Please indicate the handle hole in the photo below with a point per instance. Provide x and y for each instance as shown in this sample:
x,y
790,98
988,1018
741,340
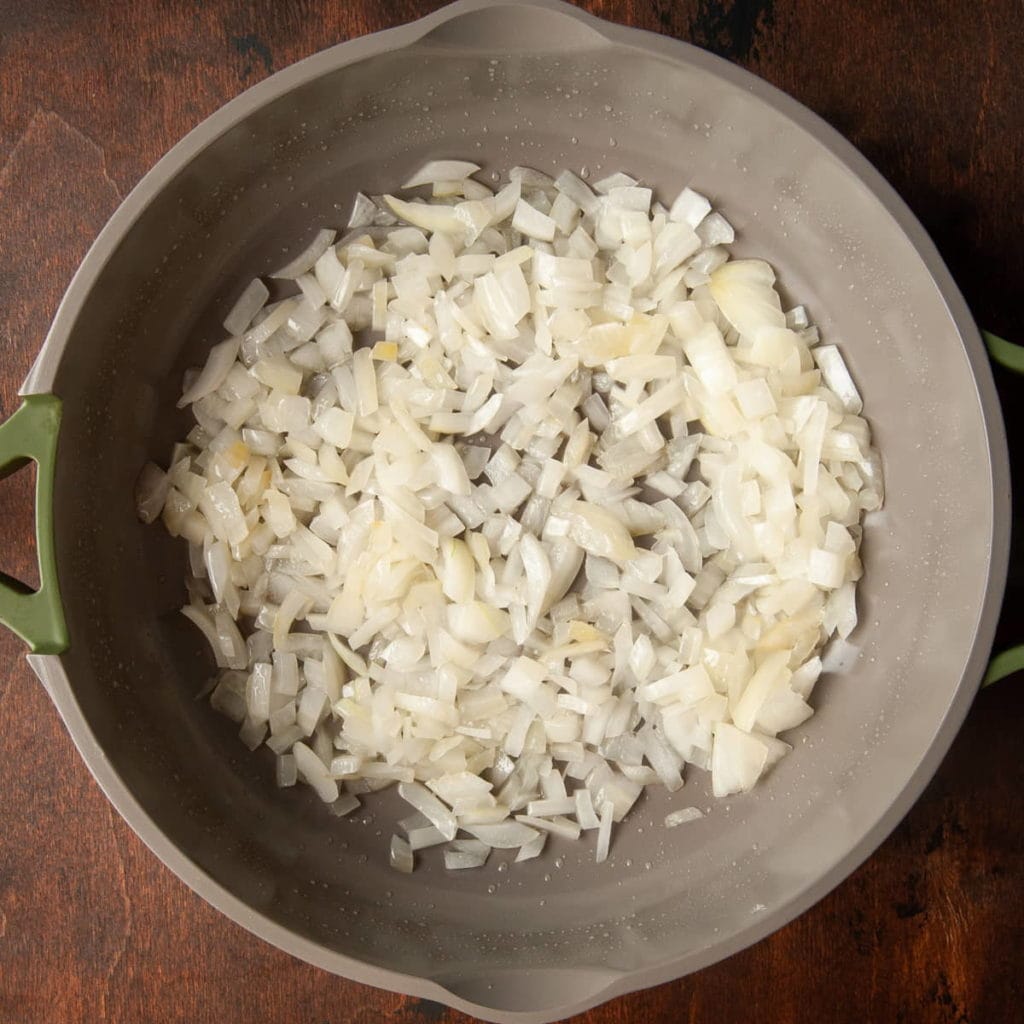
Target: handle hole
x,y
18,555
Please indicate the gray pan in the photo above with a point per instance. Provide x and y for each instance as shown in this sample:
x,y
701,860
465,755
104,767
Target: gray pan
x,y
542,84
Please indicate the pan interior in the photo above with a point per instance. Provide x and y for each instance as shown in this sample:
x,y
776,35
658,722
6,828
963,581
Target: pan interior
x,y
256,194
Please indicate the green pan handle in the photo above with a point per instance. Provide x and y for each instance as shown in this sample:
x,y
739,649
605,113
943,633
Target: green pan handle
x,y
1010,356
35,615
1004,352
1002,665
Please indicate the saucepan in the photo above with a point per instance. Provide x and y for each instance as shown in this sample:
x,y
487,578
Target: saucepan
x,y
542,84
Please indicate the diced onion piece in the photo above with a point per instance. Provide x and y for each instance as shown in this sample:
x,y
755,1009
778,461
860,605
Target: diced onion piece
x,y
248,304
441,170
506,835
444,219
600,532
533,223
218,363
466,853
532,847
430,807
305,260
401,855
837,377
315,773
604,832
745,293
151,490
689,207
682,816
737,760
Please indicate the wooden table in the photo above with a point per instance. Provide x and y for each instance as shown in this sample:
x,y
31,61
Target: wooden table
x,y
92,927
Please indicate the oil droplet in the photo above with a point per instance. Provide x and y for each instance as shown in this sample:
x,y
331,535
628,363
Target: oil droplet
x,y
491,888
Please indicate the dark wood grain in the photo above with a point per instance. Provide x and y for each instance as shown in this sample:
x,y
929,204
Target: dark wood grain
x,y
92,927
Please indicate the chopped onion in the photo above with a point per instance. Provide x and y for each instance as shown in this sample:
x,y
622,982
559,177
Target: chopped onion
x,y
737,760
364,211
151,491
532,847
682,816
401,855
837,377
305,260
249,303
441,170
532,223
430,807
314,772
213,374
604,832
443,219
689,208
576,520
466,853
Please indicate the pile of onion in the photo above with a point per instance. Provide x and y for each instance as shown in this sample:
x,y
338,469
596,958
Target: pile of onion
x,y
522,501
